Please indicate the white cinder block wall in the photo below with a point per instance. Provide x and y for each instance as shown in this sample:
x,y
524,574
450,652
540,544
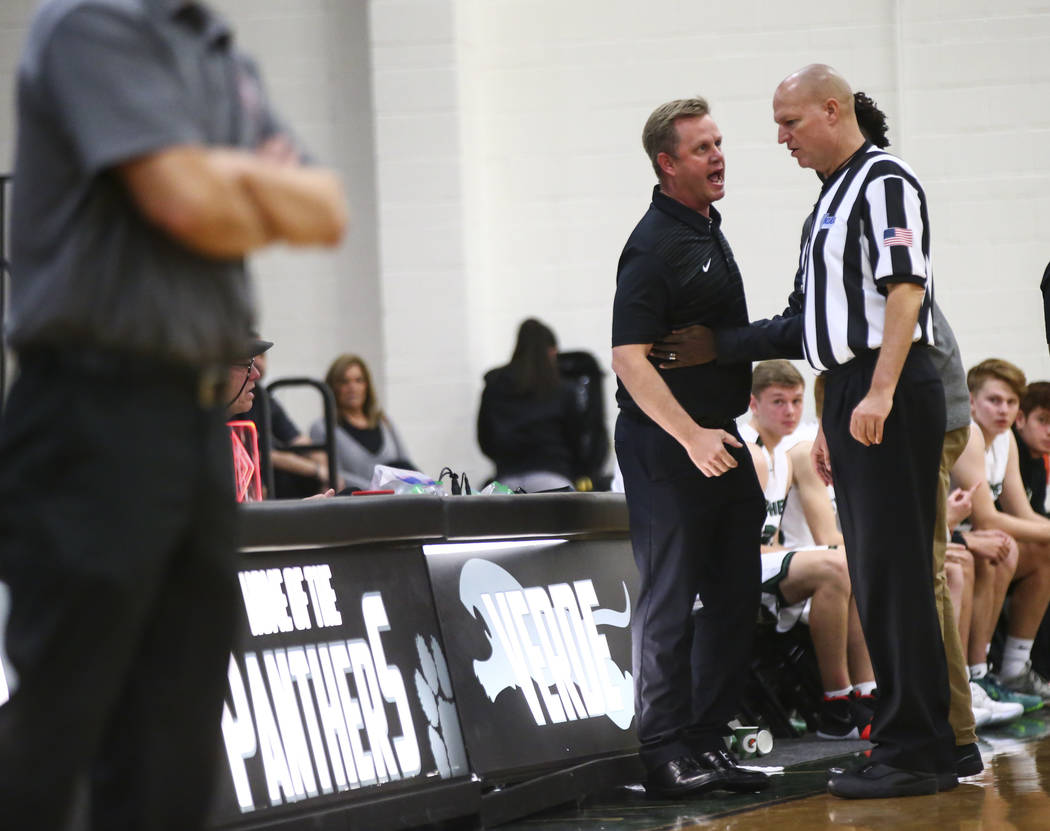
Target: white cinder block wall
x,y
492,153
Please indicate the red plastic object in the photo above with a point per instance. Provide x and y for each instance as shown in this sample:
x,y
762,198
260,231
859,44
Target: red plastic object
x,y
246,472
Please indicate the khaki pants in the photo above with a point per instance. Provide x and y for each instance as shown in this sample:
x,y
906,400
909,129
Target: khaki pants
x,y
960,713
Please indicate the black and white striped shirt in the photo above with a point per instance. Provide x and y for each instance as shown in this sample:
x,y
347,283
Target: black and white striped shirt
x,y
870,228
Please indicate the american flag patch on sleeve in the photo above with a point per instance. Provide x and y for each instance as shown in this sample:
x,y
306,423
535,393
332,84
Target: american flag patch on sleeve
x,y
896,236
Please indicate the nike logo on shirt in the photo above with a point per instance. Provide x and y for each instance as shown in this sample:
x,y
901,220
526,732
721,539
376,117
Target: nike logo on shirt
x,y
707,265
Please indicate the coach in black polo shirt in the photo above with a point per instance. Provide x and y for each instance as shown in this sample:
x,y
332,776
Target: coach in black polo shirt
x,y
867,297
694,502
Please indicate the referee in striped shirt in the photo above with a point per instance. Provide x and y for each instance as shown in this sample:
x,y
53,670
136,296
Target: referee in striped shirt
x,y
868,289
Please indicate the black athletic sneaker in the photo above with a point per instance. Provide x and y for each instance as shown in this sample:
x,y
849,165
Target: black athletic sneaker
x,y
863,711
836,719
878,781
968,761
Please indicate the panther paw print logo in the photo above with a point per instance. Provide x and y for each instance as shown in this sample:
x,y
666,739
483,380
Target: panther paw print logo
x,y
434,688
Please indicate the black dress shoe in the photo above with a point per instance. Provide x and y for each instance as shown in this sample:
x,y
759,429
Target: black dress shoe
x,y
682,777
736,778
878,781
968,760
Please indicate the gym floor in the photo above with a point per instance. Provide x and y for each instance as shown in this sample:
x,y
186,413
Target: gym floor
x,y
1013,792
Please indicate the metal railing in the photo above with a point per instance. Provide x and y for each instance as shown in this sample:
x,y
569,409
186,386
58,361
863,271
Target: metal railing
x,y
266,439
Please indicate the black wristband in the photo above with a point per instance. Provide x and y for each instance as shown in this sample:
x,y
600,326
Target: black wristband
x,y
958,537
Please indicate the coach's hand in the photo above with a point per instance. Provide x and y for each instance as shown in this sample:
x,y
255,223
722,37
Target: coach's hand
x,y
708,451
869,417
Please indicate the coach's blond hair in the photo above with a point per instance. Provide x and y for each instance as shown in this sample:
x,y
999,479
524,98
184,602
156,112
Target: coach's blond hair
x,y
660,134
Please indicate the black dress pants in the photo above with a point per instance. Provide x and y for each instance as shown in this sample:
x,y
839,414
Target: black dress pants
x,y
887,495
116,542
691,535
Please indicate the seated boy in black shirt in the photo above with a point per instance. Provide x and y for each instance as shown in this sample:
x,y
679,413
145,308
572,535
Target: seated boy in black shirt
x,y
1032,431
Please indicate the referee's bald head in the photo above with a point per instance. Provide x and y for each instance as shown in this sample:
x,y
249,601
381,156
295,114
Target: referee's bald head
x,y
816,119
819,82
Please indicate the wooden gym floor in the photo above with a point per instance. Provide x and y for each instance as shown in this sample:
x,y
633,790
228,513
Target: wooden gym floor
x,y
1013,792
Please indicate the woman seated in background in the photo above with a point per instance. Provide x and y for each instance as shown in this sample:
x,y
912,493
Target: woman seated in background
x,y
364,436
527,423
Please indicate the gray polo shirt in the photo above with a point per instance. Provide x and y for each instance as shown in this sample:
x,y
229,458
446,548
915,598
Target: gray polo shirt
x,y
102,82
946,358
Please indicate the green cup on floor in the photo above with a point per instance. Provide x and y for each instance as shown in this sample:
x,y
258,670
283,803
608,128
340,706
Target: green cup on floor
x,y
746,737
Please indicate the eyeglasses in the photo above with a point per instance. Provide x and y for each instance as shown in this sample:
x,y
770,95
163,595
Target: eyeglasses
x,y
248,366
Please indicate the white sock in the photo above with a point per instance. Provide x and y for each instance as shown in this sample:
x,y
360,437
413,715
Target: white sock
x,y
978,671
865,687
836,693
1016,653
